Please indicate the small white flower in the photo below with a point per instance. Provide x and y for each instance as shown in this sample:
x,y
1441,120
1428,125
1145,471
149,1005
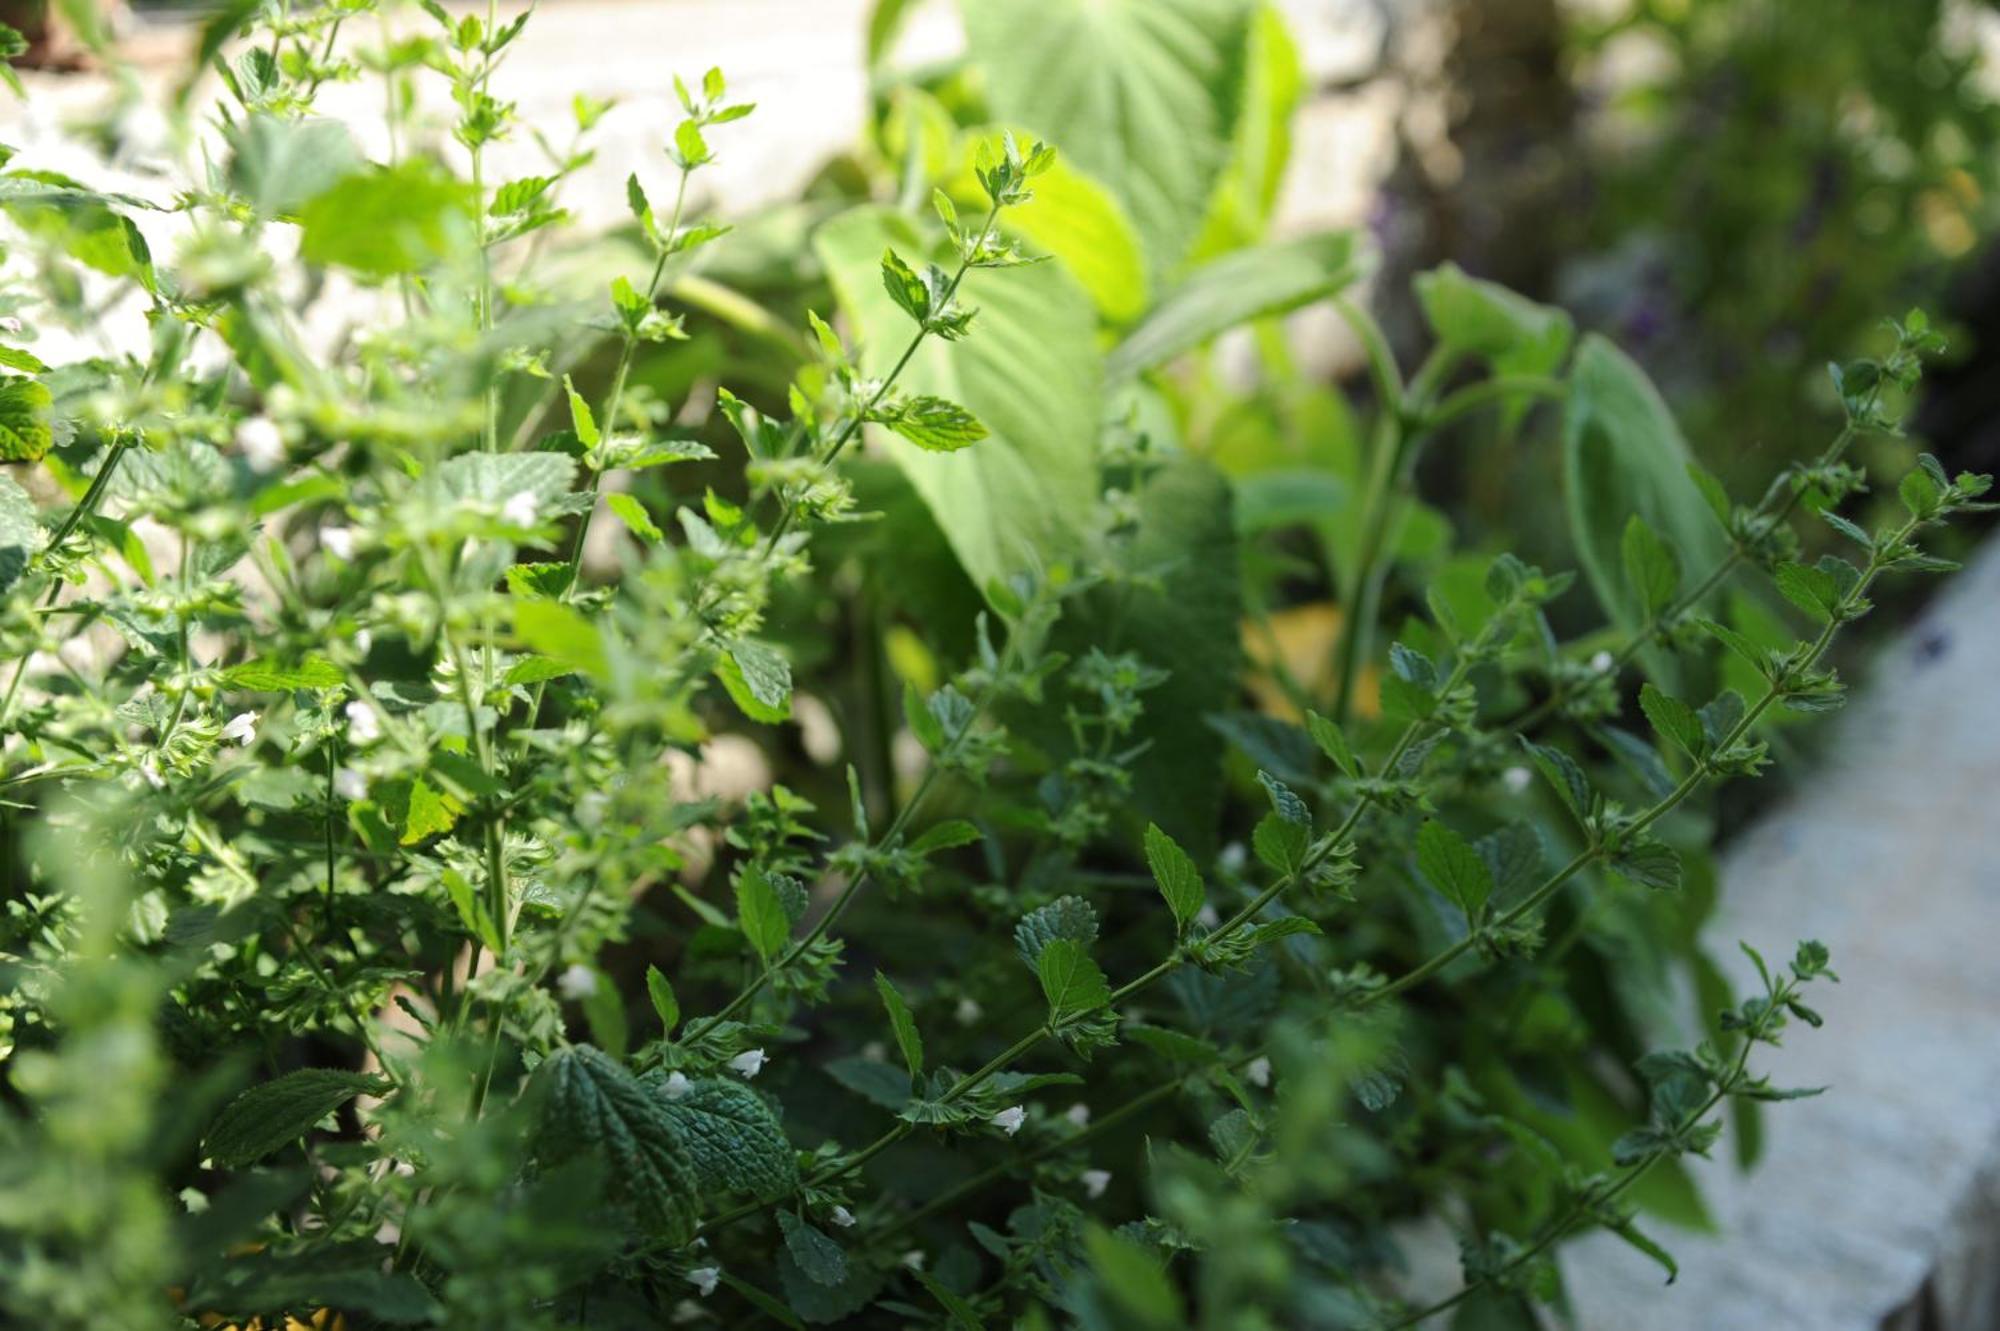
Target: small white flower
x,y
349,784
1095,1181
364,641
257,438
676,1085
577,983
1207,917
842,1217
338,541
151,771
1010,1119
750,1062
969,1012
705,1279
686,1311
1259,1071
1517,779
364,726
1079,1114
521,509
241,727
1233,856
875,1051
914,1259
1602,662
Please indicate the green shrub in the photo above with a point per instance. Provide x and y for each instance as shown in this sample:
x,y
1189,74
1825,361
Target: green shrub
x,y
405,919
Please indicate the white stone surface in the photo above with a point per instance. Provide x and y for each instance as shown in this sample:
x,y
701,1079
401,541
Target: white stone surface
x,y
1891,856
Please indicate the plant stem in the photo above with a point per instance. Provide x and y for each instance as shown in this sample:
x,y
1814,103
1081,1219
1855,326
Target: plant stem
x,y
860,418
614,400
887,841
1589,1198
84,507
1738,552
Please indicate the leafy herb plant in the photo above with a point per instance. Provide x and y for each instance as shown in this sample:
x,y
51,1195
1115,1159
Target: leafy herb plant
x,y
408,924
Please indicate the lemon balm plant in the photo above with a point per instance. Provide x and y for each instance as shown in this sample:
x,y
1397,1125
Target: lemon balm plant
x,y
386,944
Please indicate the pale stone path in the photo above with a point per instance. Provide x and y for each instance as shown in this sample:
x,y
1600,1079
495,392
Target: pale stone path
x,y
1891,856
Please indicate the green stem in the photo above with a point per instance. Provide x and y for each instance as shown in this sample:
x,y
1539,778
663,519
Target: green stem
x,y
1591,1199
1739,551
1696,776
614,400
84,507
887,841
860,418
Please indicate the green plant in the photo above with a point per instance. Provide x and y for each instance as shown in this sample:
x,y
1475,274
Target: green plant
x,y
393,938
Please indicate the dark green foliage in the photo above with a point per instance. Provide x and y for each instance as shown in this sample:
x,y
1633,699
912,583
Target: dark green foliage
x,y
1264,862
592,1105
271,1116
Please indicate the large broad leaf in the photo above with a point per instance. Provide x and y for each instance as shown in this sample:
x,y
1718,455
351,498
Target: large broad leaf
x,y
1273,85
594,1105
1142,94
270,1116
381,223
731,1138
1029,371
278,163
62,212
1087,229
1249,284
1179,608
1623,455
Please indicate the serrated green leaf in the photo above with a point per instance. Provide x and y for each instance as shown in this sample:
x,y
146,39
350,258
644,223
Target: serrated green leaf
x,y
632,513
819,1258
267,674
902,1024
1071,981
935,425
1652,571
276,1113
947,835
1453,867
1280,843
494,478
1333,743
758,679
1065,917
580,419
761,914
381,223
1564,776
563,635
731,1139
1175,872
1810,589
429,813
25,435
1673,719
592,1104
1651,864
20,533
661,991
